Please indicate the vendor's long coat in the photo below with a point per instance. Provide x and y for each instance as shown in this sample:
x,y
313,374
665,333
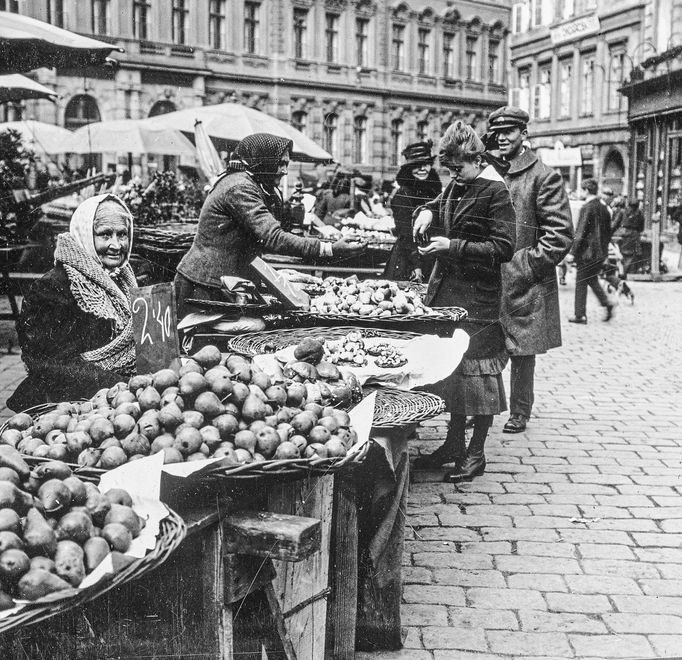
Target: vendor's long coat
x,y
544,235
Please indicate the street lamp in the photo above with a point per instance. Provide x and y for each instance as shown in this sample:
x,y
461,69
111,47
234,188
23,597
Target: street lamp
x,y
646,42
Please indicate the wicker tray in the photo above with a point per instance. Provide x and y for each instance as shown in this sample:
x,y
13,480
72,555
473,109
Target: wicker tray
x,y
395,407
439,314
255,343
171,533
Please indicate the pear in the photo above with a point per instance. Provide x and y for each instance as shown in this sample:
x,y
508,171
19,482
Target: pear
x,y
95,550
191,367
11,458
96,504
100,430
260,379
253,408
20,421
208,357
123,425
125,515
42,562
89,457
69,562
164,379
54,496
77,489
161,442
208,404
149,399
57,452
119,496
187,440
267,441
11,437
39,537
245,440
14,563
239,393
296,394
132,409
227,426
172,455
10,541
219,380
112,457
38,583
7,474
75,526
211,436
191,385
192,418
77,441
13,498
170,416
286,450
276,395
139,382
9,521
117,535
135,443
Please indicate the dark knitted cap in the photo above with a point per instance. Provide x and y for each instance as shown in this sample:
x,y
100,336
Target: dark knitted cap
x,y
261,152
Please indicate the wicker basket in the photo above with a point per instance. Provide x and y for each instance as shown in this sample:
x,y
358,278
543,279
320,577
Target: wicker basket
x,y
171,533
395,407
256,343
455,314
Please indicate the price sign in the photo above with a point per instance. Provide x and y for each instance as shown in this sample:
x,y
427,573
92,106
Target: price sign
x,y
155,327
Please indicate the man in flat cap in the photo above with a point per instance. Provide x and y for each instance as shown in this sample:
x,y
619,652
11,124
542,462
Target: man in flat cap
x,y
544,235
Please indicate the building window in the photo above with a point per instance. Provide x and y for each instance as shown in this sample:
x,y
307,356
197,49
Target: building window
x,y
179,25
493,61
448,55
566,69
216,24
10,5
360,140
542,102
587,86
300,33
100,16
422,130
565,9
80,110
537,13
55,13
361,41
398,47
615,82
423,50
471,61
161,108
332,33
397,140
141,11
330,133
299,120
524,90
520,17
251,26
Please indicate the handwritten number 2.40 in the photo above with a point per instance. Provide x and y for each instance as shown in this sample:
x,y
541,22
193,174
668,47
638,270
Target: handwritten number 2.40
x,y
163,318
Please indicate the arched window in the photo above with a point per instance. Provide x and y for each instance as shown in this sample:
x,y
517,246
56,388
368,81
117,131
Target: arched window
x,y
360,140
81,110
299,120
330,133
162,108
397,140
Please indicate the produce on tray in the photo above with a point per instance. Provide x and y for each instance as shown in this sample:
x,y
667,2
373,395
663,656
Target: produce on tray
x,y
381,298
216,406
349,349
361,221
54,528
372,236
388,357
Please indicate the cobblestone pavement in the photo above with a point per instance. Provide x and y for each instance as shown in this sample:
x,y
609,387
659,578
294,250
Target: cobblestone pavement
x,y
569,545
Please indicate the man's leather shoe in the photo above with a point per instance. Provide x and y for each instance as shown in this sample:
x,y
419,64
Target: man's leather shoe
x,y
436,460
515,424
609,313
578,319
474,466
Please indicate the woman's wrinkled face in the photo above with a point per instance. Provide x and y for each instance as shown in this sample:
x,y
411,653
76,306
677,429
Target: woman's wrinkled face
x,y
282,170
464,171
421,172
111,234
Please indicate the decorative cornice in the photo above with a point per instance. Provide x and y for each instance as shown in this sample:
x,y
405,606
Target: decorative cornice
x,y
365,8
336,5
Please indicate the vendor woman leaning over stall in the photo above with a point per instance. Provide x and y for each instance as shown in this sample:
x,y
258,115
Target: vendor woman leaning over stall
x,y
478,217
240,220
75,327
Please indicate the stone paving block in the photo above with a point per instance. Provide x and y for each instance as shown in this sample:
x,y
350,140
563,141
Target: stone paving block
x,y
403,654
469,578
548,522
518,534
489,548
553,510
611,646
470,617
569,498
452,560
518,498
667,645
482,520
437,594
466,498
603,512
660,555
628,500
658,480
656,540
438,637
670,571
517,643
479,486
468,655
581,603
605,551
601,584
546,549
668,587
626,524
671,526
427,546
651,491
508,468
622,568
666,501
416,575
499,510
527,489
413,614
542,478
513,599
604,479
561,622
413,639
649,604
456,534
537,581
673,513
645,624
583,489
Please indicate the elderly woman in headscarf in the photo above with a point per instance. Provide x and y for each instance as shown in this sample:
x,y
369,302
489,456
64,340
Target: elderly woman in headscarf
x,y
75,327
240,220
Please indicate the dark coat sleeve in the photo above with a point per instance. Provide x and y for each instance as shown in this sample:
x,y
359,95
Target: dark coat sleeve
x,y
247,205
555,227
580,230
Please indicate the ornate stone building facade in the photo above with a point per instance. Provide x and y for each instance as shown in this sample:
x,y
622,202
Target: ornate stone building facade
x,y
361,77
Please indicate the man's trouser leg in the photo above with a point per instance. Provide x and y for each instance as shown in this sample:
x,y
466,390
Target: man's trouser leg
x,y
522,382
581,276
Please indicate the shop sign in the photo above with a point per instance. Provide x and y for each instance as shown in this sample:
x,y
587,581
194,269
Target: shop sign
x,y
574,30
562,157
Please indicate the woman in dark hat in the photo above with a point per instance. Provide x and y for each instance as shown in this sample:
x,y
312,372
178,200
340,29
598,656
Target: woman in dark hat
x,y
419,183
240,219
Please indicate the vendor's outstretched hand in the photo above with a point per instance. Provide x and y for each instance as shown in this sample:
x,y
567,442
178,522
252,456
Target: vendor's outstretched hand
x,y
421,224
348,247
438,245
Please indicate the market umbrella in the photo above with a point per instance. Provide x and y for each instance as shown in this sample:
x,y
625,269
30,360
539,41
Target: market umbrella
x,y
207,155
232,122
15,87
26,43
41,137
131,136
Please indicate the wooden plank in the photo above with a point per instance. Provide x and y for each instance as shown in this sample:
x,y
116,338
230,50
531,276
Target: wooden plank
x,y
244,575
344,569
217,619
272,535
278,619
306,580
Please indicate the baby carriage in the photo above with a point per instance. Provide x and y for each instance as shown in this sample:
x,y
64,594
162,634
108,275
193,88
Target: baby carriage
x,y
613,272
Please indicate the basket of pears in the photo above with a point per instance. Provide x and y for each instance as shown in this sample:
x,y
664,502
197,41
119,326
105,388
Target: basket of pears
x,y
214,407
64,542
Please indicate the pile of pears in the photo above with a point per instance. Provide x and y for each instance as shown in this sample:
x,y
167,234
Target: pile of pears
x,y
55,528
213,406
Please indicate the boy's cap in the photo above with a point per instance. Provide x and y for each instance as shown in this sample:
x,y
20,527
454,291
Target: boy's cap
x,y
508,117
